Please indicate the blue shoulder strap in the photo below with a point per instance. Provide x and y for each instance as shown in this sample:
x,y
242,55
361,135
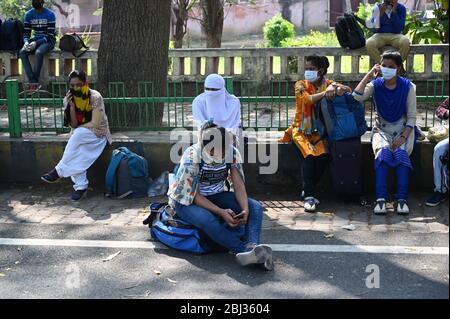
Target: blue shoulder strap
x,y
125,151
351,102
110,179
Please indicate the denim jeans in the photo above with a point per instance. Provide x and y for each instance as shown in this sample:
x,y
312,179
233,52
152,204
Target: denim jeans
x,y
440,150
233,239
40,52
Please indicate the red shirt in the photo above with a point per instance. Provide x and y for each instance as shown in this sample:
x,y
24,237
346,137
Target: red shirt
x,y
442,111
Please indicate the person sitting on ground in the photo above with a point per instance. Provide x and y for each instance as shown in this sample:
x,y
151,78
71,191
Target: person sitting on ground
x,y
393,133
230,219
390,22
217,105
85,114
304,130
41,21
441,149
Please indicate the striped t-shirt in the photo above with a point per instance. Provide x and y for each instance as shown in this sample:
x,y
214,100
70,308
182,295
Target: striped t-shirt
x,y
212,178
42,24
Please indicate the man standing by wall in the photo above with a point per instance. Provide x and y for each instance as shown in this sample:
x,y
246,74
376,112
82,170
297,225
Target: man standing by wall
x,y
39,39
391,17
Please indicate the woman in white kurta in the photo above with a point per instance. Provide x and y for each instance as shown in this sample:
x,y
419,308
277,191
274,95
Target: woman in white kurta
x,y
393,133
85,114
217,105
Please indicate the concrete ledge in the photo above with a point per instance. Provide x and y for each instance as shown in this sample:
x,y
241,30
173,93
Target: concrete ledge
x,y
25,160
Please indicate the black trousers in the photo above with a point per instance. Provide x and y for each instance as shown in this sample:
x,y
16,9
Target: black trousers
x,y
313,168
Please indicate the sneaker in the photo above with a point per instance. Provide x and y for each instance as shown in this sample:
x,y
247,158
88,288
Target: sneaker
x,y
402,207
78,195
268,265
436,199
260,254
51,177
310,204
380,207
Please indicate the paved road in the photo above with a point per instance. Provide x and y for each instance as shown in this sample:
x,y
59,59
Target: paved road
x,y
63,269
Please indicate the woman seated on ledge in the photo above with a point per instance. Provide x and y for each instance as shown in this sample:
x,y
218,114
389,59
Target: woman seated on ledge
x,y
304,129
230,219
393,133
85,114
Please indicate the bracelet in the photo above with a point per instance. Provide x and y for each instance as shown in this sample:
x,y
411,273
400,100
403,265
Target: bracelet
x,y
404,137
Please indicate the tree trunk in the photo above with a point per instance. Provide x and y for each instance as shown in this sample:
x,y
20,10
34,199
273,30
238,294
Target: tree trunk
x,y
181,16
212,21
134,48
179,34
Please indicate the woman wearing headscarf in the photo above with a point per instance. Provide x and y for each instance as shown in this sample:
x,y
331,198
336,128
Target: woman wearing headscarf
x,y
85,114
304,131
393,133
217,105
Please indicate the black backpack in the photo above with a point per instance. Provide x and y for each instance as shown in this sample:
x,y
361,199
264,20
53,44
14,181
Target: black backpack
x,y
72,43
349,33
11,35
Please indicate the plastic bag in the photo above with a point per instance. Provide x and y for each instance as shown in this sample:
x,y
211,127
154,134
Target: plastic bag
x,y
438,132
160,186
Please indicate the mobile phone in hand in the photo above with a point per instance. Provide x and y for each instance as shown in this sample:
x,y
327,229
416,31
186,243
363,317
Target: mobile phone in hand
x,y
239,216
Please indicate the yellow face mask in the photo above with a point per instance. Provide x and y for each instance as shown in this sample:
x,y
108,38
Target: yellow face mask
x,y
81,98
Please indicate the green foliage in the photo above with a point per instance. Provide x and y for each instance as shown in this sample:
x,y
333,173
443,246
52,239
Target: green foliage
x,y
276,30
17,8
98,12
418,29
431,31
313,39
365,12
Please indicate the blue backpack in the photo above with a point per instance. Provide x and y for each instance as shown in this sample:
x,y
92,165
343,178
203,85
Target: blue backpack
x,y
127,175
175,233
344,118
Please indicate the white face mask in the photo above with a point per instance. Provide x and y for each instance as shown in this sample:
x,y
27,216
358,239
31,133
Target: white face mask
x,y
388,73
311,76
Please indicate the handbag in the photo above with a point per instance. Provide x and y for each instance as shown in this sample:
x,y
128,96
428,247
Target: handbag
x,y
438,132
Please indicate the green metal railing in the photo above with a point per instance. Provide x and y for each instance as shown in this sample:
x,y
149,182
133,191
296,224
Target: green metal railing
x,y
261,107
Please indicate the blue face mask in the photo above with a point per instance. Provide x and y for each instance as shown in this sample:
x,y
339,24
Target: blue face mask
x,y
388,73
311,76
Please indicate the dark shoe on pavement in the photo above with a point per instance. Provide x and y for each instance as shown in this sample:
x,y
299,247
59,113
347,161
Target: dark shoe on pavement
x,y
436,199
51,177
78,195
